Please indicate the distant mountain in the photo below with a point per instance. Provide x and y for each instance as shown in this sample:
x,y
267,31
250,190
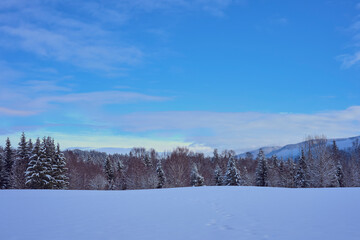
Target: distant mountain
x,y
290,150
293,150
107,150
267,150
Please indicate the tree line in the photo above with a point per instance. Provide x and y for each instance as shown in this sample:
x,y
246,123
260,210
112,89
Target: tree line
x,y
34,166
44,166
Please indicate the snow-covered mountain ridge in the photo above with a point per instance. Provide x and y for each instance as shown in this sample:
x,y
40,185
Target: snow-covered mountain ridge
x,y
293,150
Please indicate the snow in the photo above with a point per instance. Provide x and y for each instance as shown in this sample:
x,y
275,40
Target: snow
x,y
181,213
294,150
266,150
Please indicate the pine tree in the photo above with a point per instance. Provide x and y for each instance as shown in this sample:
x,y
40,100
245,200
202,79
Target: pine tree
x,y
335,155
1,169
245,177
160,175
218,176
31,175
291,171
21,162
261,170
282,172
38,173
109,172
50,149
301,178
232,175
30,147
340,175
195,177
8,161
61,181
121,178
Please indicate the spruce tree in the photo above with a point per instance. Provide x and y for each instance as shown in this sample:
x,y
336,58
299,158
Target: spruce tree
x,y
50,149
121,178
31,174
261,170
61,181
195,177
301,178
245,177
218,179
340,175
21,162
8,165
232,175
291,172
335,153
38,173
282,172
30,147
160,175
1,169
109,173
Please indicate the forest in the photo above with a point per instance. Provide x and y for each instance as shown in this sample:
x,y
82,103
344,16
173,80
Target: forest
x,y
42,165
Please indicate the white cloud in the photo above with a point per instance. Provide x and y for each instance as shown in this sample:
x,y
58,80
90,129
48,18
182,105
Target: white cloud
x,y
45,86
101,98
15,112
105,140
349,60
213,7
200,131
244,131
88,35
68,48
48,94
353,58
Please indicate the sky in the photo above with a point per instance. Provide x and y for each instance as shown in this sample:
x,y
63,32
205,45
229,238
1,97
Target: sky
x,y
205,74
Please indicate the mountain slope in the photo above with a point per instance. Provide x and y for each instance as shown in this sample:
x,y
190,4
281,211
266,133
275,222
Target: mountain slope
x,y
293,150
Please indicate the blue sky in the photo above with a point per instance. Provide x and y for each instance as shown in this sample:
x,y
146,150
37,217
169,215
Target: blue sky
x,y
202,73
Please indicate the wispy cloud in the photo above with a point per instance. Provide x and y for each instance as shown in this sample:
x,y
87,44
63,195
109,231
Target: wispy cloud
x,y
203,131
14,112
47,94
80,52
213,7
39,28
101,98
244,131
45,86
349,60
352,58
97,43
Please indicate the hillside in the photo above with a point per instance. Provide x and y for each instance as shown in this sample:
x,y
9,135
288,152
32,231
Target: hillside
x,y
181,213
293,150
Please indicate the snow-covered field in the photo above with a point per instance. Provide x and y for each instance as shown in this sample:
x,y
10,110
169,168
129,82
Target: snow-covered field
x,y
201,213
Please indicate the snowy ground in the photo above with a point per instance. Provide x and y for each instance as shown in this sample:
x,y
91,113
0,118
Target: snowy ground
x,y
201,213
